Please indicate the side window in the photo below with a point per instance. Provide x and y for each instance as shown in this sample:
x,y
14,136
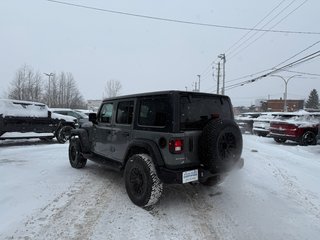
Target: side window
x,y
154,112
105,114
125,112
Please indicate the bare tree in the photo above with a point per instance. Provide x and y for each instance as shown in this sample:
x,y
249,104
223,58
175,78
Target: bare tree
x,y
64,92
60,91
112,88
27,85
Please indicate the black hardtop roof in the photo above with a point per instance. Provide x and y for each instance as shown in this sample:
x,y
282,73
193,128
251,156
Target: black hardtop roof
x,y
148,94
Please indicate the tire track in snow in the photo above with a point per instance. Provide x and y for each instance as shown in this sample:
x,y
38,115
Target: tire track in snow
x,y
206,221
296,193
302,197
74,213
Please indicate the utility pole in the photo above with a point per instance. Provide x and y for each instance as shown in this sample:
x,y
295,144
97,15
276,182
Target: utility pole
x,y
218,78
49,94
223,58
286,81
199,83
195,87
213,72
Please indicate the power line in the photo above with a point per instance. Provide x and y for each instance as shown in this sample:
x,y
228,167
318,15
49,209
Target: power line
x,y
288,59
262,34
292,64
298,53
297,62
304,73
265,17
182,21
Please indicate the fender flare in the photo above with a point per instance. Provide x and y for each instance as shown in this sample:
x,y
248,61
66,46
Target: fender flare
x,y
84,138
150,146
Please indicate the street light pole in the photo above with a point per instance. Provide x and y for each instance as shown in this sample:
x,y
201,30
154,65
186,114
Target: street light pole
x,y
223,58
218,79
49,76
286,81
199,83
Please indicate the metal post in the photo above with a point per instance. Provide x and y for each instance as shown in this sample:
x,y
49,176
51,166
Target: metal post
x,y
218,78
199,83
224,74
223,58
49,92
286,81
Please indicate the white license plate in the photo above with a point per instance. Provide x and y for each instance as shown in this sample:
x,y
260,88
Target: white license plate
x,y
190,176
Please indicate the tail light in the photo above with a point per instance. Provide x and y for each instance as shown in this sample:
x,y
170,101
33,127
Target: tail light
x,y
176,146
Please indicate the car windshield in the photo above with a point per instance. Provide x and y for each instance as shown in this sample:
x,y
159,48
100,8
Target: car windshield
x,y
197,110
82,115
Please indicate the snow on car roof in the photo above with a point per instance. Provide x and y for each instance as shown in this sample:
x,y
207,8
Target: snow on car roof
x,y
18,108
309,120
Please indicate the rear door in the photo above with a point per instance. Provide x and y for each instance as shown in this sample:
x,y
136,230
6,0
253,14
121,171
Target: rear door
x,y
122,131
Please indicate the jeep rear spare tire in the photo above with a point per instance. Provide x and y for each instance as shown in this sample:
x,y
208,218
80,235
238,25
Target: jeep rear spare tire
x,y
220,145
143,186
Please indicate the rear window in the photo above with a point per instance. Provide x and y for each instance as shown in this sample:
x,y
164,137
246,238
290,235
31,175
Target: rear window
x,y
197,110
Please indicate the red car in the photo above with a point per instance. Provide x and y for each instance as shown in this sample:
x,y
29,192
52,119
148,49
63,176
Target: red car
x,y
302,129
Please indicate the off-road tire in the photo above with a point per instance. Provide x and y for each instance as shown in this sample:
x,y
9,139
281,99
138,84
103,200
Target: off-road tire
x,y
63,133
279,140
308,138
220,145
143,186
76,158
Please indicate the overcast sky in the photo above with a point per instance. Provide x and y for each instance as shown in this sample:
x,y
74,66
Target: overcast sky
x,y
151,55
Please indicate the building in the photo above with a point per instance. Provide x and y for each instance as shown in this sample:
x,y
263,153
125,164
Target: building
x,y
277,105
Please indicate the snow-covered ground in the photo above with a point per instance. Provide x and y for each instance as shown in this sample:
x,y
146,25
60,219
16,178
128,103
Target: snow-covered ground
x,y
275,196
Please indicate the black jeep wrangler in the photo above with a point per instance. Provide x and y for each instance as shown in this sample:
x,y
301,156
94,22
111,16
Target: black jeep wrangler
x,y
161,137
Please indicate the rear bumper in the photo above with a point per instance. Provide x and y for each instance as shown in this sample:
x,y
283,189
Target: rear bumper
x,y
175,176
260,130
285,136
170,176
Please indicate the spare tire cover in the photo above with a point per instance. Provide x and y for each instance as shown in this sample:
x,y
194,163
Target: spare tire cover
x,y
220,145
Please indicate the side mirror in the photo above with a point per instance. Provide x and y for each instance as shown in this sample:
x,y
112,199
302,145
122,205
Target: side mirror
x,y
93,117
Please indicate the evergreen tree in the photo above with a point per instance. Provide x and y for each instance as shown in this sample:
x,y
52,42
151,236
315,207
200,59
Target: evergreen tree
x,y
313,101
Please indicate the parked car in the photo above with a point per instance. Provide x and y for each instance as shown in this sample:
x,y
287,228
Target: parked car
x,y
261,124
245,121
82,118
85,111
302,129
161,137
25,119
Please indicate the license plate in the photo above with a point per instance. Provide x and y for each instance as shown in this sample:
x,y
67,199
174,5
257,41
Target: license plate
x,y
190,176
